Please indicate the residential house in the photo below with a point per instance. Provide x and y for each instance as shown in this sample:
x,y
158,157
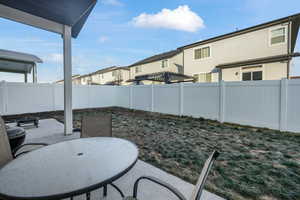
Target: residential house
x,y
74,80
171,61
261,52
110,76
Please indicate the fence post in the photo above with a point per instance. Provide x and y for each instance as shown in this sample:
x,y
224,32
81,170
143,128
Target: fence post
x,y
222,93
181,99
152,98
283,104
130,97
53,96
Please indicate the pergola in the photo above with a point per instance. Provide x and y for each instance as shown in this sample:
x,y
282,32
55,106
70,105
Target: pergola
x,y
21,63
165,77
64,17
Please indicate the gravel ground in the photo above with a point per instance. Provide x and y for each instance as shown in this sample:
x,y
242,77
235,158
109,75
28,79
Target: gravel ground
x,y
254,163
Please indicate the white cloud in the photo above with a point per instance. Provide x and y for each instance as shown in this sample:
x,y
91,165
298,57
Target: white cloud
x,y
112,2
103,39
181,18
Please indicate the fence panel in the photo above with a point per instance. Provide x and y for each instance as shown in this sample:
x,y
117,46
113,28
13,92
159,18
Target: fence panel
x,y
166,99
141,97
293,106
123,96
201,100
28,98
253,103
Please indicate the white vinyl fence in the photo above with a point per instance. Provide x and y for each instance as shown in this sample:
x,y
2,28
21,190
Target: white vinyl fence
x,y
18,98
272,104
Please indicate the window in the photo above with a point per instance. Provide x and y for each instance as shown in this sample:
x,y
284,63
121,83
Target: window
x,y
203,77
164,63
278,35
138,69
252,76
114,73
202,53
102,75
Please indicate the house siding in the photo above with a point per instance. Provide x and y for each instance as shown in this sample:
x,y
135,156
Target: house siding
x,y
250,45
175,65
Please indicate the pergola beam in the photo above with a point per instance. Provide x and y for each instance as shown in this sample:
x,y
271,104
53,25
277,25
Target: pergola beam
x,y
31,20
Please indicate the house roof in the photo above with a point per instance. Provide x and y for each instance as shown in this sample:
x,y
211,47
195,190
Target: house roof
x,y
73,77
17,62
108,69
263,60
295,28
158,57
73,13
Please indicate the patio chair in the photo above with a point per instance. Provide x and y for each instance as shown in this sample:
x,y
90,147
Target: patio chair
x,y
96,126
197,190
6,155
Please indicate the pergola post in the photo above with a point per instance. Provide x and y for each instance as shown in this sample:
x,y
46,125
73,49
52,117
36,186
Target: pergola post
x,y
68,81
34,74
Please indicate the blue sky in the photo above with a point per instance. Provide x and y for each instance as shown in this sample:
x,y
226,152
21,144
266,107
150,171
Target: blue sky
x,y
118,33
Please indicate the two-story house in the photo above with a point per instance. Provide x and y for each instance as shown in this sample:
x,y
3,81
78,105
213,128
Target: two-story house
x,y
261,52
156,66
110,76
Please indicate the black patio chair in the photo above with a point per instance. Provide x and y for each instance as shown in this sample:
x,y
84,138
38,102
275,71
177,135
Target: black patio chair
x,y
6,154
198,188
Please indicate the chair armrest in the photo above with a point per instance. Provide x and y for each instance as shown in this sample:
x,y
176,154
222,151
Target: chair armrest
x,y
27,144
159,182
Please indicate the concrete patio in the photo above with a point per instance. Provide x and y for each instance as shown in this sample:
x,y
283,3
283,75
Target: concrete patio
x,y
51,131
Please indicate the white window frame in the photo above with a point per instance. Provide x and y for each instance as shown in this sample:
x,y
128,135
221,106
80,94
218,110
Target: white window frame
x,y
162,63
138,67
262,70
205,73
285,36
201,47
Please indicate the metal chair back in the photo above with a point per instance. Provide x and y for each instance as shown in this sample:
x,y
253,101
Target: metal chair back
x,y
96,126
203,176
5,151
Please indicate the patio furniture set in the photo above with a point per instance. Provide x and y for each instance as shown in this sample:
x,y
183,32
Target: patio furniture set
x,y
76,167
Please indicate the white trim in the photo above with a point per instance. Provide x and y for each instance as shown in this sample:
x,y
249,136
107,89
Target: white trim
x,y
201,47
32,20
285,35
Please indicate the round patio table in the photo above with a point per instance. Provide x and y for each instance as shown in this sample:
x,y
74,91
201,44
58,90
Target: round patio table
x,y
67,169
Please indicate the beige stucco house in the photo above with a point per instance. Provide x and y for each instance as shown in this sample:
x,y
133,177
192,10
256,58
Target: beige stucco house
x,y
110,76
262,52
171,61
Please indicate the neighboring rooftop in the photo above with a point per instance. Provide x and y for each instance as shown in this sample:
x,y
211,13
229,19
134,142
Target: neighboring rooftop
x,y
73,77
158,57
108,69
295,28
